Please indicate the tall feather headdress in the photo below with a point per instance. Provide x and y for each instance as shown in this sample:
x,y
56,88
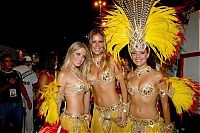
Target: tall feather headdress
x,y
139,24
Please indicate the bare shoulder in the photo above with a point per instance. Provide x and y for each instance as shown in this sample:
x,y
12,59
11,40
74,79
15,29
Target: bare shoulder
x,y
63,74
111,58
114,62
157,75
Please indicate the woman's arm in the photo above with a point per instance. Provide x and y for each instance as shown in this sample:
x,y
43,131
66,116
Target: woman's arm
x,y
61,79
87,109
43,80
120,77
163,88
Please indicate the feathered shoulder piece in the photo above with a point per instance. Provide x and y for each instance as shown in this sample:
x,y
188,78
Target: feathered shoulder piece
x,y
184,94
141,23
48,108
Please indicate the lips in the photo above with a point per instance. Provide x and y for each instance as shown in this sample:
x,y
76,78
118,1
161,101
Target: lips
x,y
138,60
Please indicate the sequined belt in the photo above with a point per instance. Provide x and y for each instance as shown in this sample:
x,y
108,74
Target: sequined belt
x,y
144,122
108,109
73,116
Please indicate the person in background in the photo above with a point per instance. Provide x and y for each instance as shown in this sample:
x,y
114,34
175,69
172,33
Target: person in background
x,y
46,75
74,89
30,79
11,89
110,107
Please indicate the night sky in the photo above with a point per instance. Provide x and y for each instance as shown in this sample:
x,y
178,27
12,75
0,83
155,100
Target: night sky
x,y
34,25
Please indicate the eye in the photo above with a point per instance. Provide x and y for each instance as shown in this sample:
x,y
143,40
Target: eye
x,y
78,54
133,52
100,41
93,42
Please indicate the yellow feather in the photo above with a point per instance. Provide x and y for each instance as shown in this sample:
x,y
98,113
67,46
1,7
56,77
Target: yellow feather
x,y
48,109
116,31
183,93
161,31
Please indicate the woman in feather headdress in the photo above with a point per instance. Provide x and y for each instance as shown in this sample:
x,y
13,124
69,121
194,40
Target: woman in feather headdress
x,y
149,30
70,86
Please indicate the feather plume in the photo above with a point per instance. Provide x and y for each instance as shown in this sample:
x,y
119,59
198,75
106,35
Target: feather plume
x,y
48,108
159,27
184,94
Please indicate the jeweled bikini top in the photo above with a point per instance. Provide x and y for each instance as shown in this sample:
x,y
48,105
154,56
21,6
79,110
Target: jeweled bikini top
x,y
80,87
104,77
146,89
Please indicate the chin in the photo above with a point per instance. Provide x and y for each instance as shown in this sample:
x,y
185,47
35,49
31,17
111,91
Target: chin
x,y
78,65
139,64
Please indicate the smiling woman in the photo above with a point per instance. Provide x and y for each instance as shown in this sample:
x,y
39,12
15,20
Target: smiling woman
x,y
75,92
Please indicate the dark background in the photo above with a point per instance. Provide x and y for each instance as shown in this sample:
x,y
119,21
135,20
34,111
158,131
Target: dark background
x,y
32,25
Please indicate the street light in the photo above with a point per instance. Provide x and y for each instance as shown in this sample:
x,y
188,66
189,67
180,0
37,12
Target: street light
x,y
100,4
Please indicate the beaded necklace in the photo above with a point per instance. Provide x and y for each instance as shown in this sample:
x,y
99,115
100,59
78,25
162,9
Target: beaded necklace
x,y
97,61
139,73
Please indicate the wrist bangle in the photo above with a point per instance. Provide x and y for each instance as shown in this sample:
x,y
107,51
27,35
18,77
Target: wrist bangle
x,y
124,107
170,127
87,116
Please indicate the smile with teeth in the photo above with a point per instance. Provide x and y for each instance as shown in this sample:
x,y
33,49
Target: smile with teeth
x,y
97,49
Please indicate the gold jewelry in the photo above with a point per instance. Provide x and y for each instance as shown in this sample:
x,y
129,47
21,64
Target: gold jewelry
x,y
124,107
119,76
169,127
87,116
97,61
143,71
75,71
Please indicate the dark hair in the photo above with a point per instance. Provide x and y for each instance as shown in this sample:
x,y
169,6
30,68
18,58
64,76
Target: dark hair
x,y
151,60
5,56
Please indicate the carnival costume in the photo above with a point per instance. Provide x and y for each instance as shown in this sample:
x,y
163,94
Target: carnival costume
x,y
66,122
105,119
140,24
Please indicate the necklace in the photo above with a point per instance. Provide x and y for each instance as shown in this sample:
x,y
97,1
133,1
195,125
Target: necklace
x,y
97,61
75,71
142,71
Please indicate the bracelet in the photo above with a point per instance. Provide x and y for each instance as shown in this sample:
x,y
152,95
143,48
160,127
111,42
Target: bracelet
x,y
124,107
119,76
87,116
170,127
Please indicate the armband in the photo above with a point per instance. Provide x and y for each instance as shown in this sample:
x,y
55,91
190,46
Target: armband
x,y
119,76
171,92
163,92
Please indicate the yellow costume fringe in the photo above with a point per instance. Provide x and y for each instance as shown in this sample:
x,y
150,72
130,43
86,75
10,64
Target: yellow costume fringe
x,y
48,108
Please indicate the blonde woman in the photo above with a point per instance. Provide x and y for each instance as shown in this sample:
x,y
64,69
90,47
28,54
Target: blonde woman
x,y
110,107
74,89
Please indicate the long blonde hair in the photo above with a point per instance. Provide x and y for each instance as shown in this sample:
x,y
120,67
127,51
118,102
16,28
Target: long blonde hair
x,y
105,58
84,68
